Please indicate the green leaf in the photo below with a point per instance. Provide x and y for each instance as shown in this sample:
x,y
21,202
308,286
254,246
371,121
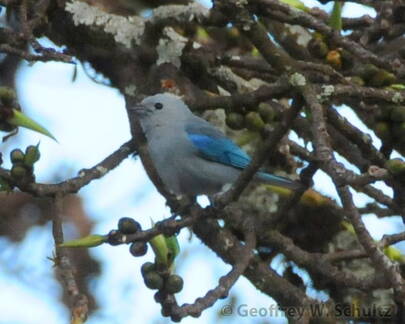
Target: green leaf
x,y
165,248
296,4
348,227
394,254
88,241
173,247
160,248
335,20
397,86
19,119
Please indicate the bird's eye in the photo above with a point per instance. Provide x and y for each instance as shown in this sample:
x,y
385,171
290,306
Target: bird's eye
x,y
158,105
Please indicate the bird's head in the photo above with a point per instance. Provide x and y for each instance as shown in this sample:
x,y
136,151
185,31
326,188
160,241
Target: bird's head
x,y
162,108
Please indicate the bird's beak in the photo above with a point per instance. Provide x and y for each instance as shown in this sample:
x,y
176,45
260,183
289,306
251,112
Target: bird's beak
x,y
139,109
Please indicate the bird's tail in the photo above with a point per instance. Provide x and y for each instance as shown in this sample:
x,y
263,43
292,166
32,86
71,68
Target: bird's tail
x,y
279,181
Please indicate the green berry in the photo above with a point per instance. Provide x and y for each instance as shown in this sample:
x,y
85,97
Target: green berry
x,y
128,225
18,172
395,166
138,249
158,297
147,267
366,71
16,156
382,78
32,155
253,121
174,284
114,238
267,113
153,280
317,47
357,80
235,121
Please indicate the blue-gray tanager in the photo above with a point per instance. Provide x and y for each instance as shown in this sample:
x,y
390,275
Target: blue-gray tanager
x,y
190,155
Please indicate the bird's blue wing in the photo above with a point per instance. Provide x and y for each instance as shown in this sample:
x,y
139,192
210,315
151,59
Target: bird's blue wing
x,y
214,146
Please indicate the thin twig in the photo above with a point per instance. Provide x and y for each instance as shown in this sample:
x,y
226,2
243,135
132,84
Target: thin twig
x,y
74,184
78,301
324,153
226,282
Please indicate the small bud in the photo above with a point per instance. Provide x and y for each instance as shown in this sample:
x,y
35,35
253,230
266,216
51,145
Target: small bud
x,y
174,284
32,155
153,280
16,156
18,172
138,249
128,225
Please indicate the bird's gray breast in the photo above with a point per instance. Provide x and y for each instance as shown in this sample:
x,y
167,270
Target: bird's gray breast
x,y
181,166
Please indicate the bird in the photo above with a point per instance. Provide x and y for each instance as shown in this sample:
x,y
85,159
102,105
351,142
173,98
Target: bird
x,y
191,156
